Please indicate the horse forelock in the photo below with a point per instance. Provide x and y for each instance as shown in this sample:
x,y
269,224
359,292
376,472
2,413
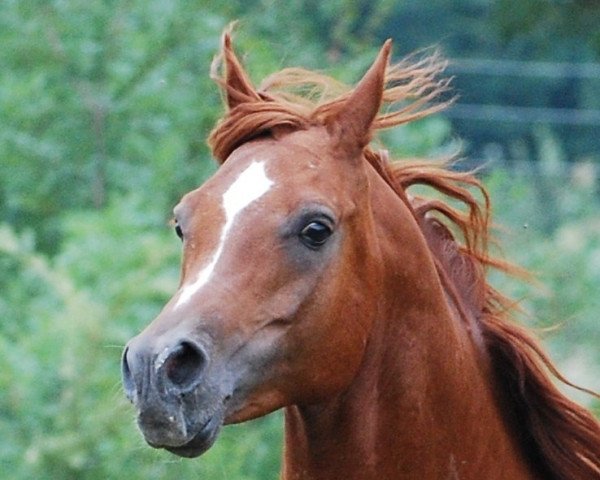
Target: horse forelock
x,y
298,99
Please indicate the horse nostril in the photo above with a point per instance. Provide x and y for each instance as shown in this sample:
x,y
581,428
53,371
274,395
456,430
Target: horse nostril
x,y
184,365
128,382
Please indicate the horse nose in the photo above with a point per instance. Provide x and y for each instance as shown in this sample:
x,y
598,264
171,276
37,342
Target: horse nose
x,y
177,368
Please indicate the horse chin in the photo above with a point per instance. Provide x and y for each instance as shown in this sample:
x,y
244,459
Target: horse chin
x,y
200,443
192,445
183,432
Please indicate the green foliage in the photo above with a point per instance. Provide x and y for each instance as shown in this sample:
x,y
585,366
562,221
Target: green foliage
x,y
104,108
535,18
559,242
97,94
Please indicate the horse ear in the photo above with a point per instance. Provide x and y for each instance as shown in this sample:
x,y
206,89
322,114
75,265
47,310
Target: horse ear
x,y
236,83
352,123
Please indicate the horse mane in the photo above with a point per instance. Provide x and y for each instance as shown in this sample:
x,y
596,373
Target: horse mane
x,y
561,439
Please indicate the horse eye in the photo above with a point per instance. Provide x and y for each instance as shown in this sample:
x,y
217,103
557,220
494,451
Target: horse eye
x,y
178,231
315,234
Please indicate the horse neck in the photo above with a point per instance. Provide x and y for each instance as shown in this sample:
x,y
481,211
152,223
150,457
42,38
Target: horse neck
x,y
423,403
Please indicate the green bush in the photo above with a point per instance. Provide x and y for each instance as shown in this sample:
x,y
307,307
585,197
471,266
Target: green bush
x,y
559,243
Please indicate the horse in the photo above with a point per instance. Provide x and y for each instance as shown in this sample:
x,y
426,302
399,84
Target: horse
x,y
312,281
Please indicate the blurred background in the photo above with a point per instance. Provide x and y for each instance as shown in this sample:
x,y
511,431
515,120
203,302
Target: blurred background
x,y
104,111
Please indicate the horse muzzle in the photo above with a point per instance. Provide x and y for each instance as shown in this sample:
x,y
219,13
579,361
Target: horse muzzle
x,y
169,382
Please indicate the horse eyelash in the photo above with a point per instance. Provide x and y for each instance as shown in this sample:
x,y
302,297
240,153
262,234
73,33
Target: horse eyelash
x,y
174,224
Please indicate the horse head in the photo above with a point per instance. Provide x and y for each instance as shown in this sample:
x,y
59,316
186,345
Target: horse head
x,y
277,285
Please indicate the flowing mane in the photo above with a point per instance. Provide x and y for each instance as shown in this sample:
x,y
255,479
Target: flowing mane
x,y
561,439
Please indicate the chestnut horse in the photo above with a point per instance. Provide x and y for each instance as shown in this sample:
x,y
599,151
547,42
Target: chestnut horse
x,y
312,281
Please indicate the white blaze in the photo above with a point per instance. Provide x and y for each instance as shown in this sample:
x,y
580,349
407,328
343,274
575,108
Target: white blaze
x,y
251,184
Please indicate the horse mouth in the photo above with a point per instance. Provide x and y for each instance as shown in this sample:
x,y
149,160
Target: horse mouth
x,y
199,444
